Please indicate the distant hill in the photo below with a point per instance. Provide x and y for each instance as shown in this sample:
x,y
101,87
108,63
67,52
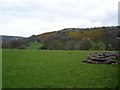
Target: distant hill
x,y
97,38
11,41
6,38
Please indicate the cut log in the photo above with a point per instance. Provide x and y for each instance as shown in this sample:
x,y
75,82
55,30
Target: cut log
x,y
102,58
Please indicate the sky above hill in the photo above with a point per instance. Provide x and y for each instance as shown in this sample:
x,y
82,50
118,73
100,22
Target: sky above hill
x,y
28,17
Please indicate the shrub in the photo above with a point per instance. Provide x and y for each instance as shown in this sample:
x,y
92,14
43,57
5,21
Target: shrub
x,y
85,45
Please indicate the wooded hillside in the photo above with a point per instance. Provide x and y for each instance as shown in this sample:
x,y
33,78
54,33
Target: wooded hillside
x,y
98,38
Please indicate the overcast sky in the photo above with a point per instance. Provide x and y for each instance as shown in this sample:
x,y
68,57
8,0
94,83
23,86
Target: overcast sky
x,y
28,17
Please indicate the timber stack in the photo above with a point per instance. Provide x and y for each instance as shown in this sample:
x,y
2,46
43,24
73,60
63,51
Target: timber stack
x,y
103,58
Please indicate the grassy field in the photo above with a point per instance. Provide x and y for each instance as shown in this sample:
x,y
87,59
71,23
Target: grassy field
x,y
34,45
55,69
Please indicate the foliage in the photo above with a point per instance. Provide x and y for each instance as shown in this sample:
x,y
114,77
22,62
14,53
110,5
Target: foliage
x,y
74,35
98,45
72,39
85,45
93,38
35,45
6,45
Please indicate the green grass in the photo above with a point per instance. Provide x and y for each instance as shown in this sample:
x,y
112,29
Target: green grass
x,y
55,69
35,45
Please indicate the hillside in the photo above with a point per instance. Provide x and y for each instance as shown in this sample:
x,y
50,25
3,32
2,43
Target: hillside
x,y
81,38
7,41
9,38
97,38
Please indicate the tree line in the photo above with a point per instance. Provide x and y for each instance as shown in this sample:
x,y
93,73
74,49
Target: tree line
x,y
100,38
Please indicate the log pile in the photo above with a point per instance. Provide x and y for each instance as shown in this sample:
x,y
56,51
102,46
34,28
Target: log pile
x,y
103,58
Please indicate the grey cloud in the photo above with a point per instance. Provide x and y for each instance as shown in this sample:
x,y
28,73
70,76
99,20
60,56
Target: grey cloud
x,y
59,12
